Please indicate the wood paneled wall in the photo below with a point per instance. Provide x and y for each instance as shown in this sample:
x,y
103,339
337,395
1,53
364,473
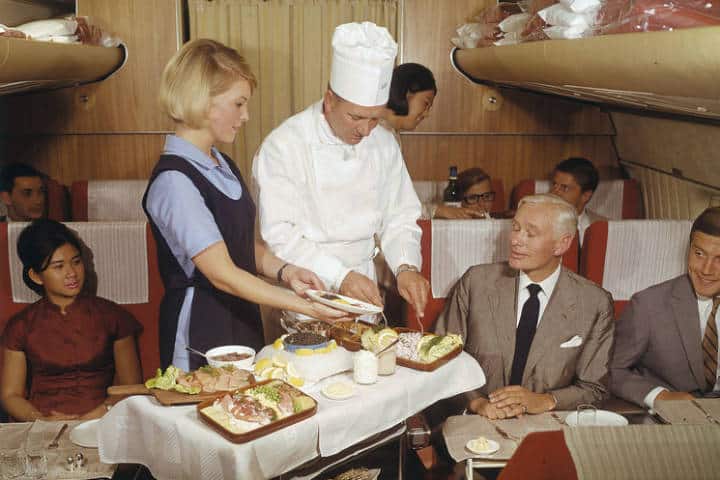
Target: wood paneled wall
x,y
520,135
113,129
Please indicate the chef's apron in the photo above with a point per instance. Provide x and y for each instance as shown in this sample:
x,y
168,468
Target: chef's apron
x,y
347,199
216,318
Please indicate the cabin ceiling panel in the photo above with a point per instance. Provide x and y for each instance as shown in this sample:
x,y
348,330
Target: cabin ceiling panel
x,y
686,148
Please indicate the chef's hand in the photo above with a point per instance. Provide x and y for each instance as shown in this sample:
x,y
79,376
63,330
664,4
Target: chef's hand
x,y
301,279
443,211
521,400
414,289
482,406
357,285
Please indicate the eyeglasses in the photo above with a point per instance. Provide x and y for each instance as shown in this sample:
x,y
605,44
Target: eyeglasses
x,y
473,199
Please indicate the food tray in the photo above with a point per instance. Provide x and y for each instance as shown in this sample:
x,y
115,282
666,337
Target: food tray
x,y
260,431
346,338
426,367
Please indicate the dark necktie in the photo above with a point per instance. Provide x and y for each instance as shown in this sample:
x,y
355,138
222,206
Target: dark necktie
x,y
710,346
525,333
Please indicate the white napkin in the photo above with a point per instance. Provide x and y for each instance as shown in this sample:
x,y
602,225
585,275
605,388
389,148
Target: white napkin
x,y
574,342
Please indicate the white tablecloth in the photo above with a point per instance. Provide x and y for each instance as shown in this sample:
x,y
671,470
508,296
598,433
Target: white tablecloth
x,y
174,443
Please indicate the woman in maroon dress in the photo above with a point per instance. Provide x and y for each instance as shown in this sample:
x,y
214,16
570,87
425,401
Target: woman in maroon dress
x,y
63,351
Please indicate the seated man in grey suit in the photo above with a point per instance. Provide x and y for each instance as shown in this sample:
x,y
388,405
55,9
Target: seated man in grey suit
x,y
541,333
667,342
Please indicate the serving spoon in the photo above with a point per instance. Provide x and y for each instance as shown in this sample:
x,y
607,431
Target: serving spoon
x,y
196,352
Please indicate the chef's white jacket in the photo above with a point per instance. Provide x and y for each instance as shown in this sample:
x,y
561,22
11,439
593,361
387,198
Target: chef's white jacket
x,y
322,201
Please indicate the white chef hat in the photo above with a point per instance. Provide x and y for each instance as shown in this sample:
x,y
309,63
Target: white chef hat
x,y
362,63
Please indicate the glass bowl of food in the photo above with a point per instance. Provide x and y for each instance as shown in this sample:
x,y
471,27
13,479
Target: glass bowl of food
x,y
238,356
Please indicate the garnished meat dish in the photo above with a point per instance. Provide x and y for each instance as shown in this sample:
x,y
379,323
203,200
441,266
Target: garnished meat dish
x,y
205,379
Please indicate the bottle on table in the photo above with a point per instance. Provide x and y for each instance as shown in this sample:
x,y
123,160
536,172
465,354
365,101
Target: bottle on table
x,y
451,196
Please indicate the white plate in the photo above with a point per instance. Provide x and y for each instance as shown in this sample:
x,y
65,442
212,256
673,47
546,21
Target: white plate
x,y
85,434
603,418
493,447
327,391
345,304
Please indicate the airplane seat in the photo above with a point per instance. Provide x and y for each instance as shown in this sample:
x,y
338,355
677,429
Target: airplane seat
x,y
450,247
625,257
108,200
613,199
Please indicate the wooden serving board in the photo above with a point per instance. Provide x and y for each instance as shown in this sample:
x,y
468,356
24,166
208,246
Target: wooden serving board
x,y
426,367
165,397
260,431
345,338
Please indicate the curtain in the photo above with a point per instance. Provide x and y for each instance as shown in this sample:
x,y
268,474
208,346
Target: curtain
x,y
287,44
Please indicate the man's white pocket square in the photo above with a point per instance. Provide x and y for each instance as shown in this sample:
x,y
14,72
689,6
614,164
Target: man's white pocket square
x,y
574,342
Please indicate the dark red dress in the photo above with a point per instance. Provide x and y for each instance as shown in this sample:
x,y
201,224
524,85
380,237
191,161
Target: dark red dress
x,y
70,357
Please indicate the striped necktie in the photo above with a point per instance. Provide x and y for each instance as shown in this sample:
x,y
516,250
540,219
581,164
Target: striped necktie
x,y
710,346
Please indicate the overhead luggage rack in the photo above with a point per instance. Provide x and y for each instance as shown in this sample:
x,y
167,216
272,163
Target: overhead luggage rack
x,y
669,71
27,65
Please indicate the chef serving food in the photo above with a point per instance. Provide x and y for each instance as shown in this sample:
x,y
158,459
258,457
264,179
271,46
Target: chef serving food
x,y
328,181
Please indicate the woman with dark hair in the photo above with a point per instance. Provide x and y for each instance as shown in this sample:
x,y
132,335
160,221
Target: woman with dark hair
x,y
475,190
412,92
67,347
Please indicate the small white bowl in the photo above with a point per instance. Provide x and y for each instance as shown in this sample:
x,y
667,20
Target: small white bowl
x,y
245,363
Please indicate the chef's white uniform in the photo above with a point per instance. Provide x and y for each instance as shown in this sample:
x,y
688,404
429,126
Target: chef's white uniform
x,y
322,201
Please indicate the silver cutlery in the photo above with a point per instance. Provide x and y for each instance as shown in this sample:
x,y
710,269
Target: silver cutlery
x,y
55,443
196,352
506,435
709,417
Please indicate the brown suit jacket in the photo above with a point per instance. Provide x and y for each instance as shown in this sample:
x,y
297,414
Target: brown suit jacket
x,y
482,309
658,342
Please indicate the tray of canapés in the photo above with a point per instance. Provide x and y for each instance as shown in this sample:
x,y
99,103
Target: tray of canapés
x,y
253,411
417,350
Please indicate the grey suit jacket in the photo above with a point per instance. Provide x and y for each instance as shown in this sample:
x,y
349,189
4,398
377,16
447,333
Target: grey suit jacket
x,y
482,309
658,342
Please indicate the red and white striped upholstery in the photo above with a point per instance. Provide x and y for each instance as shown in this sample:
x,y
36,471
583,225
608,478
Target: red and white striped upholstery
x,y
625,257
613,199
147,313
431,192
494,237
108,200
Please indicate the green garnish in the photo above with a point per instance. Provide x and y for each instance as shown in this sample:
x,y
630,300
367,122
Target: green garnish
x,y
271,393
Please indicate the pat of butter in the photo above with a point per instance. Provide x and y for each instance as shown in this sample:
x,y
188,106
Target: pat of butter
x,y
480,444
339,389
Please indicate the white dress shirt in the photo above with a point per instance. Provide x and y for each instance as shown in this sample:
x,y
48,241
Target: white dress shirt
x,y
546,288
582,225
704,309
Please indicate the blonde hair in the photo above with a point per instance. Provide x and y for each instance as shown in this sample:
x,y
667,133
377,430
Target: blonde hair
x,y
565,218
200,70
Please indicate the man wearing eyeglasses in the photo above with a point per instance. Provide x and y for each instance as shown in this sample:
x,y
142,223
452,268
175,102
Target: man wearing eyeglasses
x,y
575,180
475,189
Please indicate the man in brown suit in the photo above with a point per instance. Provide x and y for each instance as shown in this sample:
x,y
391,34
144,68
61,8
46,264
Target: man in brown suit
x,y
666,346
497,309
